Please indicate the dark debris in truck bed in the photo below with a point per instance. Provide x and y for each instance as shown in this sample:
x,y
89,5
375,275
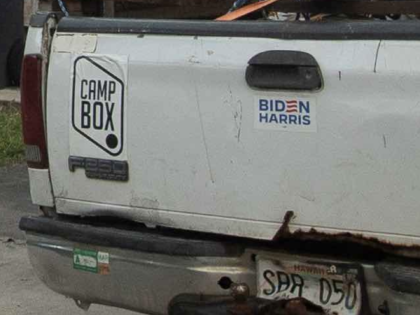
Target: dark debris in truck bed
x,y
212,9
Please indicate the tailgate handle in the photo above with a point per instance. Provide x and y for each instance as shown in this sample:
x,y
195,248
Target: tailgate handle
x,y
284,70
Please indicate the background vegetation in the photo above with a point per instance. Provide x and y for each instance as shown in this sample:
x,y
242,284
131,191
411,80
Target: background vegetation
x,y
11,143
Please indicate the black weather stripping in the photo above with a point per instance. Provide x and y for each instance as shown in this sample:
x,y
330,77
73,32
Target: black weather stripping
x,y
141,239
327,30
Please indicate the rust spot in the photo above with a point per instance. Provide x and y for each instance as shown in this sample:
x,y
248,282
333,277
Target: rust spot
x,y
241,309
411,251
284,229
240,293
296,306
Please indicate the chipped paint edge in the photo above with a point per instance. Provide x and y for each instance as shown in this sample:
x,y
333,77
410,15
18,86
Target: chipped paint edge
x,y
405,245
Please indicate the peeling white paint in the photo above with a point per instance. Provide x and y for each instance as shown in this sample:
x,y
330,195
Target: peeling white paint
x,y
75,43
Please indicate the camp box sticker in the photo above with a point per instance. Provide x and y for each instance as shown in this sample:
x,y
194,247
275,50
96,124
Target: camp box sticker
x,y
98,106
285,113
91,261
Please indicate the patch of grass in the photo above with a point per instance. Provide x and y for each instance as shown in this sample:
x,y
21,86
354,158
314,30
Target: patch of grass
x,y
11,142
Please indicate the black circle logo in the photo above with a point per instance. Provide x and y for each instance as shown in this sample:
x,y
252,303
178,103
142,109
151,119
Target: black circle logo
x,y
111,141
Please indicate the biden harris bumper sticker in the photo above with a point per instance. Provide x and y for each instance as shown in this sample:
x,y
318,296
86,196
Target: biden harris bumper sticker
x,y
286,114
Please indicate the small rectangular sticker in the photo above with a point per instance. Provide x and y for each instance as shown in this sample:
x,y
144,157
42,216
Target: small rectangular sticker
x,y
285,114
91,261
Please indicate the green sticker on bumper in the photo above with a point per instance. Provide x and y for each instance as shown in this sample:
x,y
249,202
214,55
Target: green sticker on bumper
x,y
86,260
91,261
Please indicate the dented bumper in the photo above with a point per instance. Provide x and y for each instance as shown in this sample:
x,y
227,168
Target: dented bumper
x,y
157,272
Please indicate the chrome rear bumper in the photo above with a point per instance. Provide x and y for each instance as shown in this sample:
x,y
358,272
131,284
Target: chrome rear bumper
x,y
147,270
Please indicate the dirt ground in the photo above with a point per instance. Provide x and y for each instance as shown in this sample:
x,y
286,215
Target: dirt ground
x,y
21,292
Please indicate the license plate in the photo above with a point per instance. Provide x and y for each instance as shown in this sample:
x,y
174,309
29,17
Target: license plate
x,y
334,287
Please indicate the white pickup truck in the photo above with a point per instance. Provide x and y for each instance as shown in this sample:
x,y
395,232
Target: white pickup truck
x,y
205,167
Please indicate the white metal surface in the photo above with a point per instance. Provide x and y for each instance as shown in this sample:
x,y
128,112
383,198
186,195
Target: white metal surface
x,y
192,146
40,187
33,43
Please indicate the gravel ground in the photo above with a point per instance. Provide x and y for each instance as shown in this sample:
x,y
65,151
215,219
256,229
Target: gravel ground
x,y
15,201
21,292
